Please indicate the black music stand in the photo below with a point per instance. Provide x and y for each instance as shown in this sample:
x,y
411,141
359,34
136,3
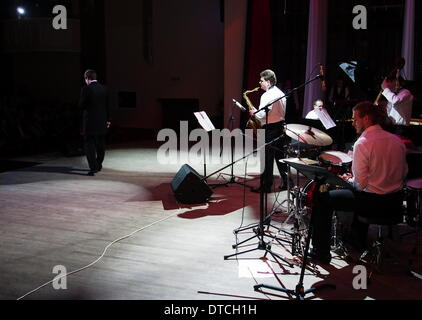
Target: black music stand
x,y
206,124
320,176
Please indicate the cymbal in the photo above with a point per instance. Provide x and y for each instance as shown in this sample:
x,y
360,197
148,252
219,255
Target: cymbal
x,y
308,135
300,161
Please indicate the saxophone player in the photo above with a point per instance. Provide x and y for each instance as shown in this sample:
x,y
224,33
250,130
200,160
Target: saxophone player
x,y
400,104
274,128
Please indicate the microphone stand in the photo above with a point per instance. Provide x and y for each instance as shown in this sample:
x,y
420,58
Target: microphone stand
x,y
262,245
232,176
299,291
263,197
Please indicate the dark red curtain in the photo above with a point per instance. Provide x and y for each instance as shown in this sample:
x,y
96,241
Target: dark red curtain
x,y
259,49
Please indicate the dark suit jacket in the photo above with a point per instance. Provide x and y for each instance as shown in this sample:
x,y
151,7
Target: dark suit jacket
x,y
94,104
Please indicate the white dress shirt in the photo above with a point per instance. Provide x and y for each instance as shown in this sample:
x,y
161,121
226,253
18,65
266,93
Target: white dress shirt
x,y
399,106
277,111
312,115
379,161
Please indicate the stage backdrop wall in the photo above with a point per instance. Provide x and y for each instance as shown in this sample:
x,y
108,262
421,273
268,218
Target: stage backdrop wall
x,y
162,50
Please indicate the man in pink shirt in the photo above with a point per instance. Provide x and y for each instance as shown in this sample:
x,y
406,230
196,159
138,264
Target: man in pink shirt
x,y
379,169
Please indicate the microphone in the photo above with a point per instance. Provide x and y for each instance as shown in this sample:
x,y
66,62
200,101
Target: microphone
x,y
322,77
237,103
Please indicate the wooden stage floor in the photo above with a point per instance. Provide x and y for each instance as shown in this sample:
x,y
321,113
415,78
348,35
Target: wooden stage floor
x,y
146,246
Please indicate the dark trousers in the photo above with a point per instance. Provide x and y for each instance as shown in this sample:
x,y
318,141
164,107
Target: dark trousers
x,y
95,150
360,203
273,152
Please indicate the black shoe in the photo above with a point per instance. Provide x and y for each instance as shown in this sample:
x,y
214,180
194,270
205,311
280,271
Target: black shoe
x,y
91,173
319,257
100,167
258,190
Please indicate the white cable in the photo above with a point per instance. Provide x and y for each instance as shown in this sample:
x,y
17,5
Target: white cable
x,y
102,255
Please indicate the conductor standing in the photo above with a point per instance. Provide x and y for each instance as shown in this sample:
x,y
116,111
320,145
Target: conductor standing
x,y
95,122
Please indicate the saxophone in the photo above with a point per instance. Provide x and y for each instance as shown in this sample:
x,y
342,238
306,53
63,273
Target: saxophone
x,y
253,123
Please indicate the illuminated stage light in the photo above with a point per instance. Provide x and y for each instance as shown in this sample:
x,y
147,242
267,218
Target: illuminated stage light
x,y
21,11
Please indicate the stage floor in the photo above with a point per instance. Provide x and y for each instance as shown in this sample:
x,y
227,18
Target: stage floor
x,y
54,218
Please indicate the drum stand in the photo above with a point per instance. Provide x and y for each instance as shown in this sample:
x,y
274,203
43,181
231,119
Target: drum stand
x,y
295,210
299,292
337,244
416,222
259,228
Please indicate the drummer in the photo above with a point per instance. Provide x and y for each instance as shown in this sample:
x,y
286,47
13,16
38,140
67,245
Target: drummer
x,y
378,172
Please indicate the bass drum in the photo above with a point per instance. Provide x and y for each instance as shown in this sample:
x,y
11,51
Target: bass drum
x,y
305,204
303,217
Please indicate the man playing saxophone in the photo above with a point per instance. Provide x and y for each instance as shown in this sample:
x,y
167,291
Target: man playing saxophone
x,y
400,103
274,128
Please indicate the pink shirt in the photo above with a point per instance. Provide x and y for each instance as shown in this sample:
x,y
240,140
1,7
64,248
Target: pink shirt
x,y
379,161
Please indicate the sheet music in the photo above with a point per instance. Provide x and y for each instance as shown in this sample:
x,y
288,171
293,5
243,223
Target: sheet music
x,y
204,121
325,118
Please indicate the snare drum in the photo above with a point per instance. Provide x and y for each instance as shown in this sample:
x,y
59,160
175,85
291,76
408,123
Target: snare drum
x,y
336,161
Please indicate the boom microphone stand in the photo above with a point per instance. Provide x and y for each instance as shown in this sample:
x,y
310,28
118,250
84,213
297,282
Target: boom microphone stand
x,y
260,233
320,176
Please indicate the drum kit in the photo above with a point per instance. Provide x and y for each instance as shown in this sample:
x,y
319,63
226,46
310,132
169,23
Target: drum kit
x,y
306,148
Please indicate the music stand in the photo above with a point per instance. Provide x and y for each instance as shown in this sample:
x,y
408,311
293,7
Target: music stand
x,y
320,176
208,126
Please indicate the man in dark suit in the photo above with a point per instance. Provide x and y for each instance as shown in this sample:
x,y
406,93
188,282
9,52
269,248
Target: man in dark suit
x,y
96,120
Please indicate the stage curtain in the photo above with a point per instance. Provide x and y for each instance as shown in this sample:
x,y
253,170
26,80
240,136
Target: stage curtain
x,y
259,49
317,50
235,12
408,48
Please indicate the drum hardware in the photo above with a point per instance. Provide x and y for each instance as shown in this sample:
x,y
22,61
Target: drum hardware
x,y
317,178
315,137
413,216
308,135
263,217
337,244
413,192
